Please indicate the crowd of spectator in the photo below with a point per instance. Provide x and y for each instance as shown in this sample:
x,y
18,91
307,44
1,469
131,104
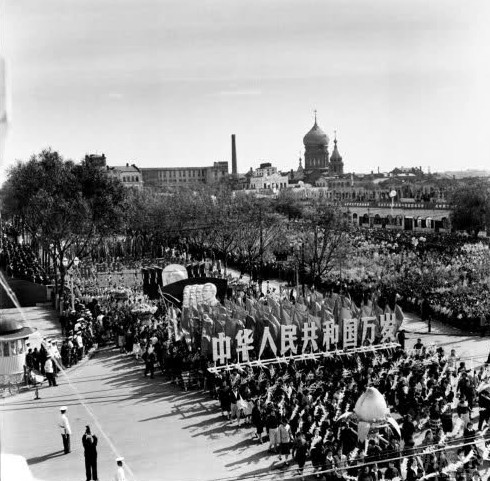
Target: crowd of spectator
x,y
18,260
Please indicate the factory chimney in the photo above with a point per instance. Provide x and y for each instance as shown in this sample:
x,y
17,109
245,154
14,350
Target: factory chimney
x,y
234,171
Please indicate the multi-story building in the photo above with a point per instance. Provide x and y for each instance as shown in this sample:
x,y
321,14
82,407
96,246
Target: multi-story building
x,y
158,177
267,177
129,175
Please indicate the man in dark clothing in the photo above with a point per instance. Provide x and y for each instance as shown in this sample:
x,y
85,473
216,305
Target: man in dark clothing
x,y
43,355
271,424
401,338
348,438
391,472
89,442
30,359
419,347
408,430
35,359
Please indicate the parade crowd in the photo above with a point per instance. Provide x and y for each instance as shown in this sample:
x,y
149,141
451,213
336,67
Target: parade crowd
x,y
300,408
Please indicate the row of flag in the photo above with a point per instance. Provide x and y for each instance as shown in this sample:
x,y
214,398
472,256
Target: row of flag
x,y
199,325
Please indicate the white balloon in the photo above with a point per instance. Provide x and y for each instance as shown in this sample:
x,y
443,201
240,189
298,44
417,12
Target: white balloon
x,y
173,273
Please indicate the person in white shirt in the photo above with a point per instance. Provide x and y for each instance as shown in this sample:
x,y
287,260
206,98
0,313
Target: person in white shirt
x,y
49,371
55,354
79,345
64,425
120,474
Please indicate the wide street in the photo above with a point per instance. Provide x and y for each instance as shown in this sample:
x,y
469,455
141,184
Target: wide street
x,y
163,432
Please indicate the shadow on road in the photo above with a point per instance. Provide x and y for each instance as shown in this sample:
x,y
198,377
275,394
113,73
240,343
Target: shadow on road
x,y
41,459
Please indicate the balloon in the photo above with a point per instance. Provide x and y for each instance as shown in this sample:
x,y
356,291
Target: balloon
x,y
173,273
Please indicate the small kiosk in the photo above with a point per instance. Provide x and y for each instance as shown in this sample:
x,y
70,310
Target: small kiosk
x,y
13,337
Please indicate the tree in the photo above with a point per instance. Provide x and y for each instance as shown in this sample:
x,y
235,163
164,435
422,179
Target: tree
x,y
259,230
288,205
65,207
471,208
322,233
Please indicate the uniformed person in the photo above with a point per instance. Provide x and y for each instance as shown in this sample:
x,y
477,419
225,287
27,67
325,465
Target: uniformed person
x,y
64,425
120,474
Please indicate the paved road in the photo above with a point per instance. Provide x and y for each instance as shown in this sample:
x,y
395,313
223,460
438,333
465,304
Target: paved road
x,y
163,432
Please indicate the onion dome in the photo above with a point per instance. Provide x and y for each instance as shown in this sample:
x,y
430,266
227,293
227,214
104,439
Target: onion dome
x,y
11,330
371,406
316,136
335,157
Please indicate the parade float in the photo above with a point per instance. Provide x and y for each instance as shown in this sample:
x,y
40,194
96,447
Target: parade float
x,y
372,415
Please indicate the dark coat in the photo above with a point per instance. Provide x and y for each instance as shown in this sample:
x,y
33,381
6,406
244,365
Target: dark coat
x,y
89,442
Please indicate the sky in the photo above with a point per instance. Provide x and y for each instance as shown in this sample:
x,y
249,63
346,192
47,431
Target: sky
x,y
166,82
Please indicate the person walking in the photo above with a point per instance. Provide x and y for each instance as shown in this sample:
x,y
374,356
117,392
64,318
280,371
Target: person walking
x,y
49,371
89,442
64,425
285,437
120,474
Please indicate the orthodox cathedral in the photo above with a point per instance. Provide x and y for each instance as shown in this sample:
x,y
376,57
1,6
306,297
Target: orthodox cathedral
x,y
317,158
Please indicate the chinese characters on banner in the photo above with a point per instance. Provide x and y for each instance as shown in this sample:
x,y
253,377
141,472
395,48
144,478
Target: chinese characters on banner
x,y
350,334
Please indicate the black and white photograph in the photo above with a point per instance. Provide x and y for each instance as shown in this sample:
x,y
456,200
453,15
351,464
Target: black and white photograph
x,y
244,240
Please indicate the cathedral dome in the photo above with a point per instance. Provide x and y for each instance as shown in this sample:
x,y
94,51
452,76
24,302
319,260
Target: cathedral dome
x,y
336,157
316,136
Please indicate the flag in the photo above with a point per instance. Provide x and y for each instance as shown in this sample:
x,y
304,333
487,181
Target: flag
x,y
275,327
376,311
249,322
316,308
218,327
284,317
399,316
366,311
173,318
274,306
297,317
187,321
355,311
207,333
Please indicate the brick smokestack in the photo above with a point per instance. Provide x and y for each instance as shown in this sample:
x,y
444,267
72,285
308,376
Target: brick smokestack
x,y
234,170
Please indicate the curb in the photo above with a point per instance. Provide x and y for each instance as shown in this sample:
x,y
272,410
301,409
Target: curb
x,y
449,334
425,333
90,354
